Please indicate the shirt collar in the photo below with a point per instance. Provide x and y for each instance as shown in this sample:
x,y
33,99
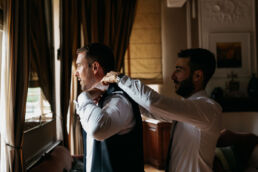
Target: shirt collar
x,y
201,93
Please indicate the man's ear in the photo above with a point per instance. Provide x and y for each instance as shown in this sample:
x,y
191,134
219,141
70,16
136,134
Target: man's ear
x,y
198,76
95,67
97,70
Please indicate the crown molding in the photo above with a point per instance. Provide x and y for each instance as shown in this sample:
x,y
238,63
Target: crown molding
x,y
175,3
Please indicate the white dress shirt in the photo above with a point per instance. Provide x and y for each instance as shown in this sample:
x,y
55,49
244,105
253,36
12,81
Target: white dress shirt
x,y
115,117
197,131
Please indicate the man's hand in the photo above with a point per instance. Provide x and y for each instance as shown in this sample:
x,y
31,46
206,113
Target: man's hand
x,y
110,77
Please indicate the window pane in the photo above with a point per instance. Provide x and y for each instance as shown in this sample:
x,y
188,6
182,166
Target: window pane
x,y
38,109
33,104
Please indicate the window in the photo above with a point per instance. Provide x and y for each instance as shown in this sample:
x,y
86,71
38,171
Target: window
x,y
38,109
143,57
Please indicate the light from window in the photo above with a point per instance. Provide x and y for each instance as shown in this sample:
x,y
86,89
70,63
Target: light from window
x,y
143,58
155,87
38,109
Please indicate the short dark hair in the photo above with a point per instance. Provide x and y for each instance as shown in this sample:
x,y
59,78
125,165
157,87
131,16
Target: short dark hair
x,y
100,53
200,59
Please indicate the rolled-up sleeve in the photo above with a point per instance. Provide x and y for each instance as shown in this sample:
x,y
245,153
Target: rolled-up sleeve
x,y
199,111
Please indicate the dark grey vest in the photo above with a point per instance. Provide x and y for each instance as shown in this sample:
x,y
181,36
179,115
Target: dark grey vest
x,y
119,153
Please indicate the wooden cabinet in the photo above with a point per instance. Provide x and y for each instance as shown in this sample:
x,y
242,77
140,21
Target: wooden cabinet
x,y
156,135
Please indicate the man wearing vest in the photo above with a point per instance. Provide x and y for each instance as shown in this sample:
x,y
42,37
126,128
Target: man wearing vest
x,y
199,117
112,122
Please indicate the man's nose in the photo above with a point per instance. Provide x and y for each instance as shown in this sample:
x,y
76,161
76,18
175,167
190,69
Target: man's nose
x,y
76,74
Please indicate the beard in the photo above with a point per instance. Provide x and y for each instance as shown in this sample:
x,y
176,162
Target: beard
x,y
186,87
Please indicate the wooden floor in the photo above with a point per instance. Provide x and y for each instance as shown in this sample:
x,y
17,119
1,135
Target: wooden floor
x,y
149,168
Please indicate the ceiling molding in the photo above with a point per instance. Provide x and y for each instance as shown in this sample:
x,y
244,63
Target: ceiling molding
x,y
227,11
175,3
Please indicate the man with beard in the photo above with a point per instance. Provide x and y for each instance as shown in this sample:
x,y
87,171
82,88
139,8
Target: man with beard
x,y
110,119
198,117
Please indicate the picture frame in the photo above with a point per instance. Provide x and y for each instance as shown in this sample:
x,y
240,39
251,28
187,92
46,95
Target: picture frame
x,y
232,52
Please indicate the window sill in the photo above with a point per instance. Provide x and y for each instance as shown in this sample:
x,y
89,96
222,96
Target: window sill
x,y
30,125
37,141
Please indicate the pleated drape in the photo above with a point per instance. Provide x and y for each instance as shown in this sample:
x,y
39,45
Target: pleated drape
x,y
42,55
109,22
70,42
14,83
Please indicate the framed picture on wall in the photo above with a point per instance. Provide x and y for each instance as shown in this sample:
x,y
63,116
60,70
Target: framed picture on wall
x,y
232,51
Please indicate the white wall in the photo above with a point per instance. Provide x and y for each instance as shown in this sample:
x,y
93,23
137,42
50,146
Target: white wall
x,y
1,39
231,16
57,67
241,121
173,30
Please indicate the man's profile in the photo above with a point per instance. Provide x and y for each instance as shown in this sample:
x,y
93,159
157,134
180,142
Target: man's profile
x,y
111,121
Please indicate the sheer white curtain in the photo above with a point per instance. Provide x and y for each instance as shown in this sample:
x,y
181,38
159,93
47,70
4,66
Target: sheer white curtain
x,y
6,105
1,38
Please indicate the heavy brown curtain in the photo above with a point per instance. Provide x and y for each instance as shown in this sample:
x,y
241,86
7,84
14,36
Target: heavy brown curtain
x,y
70,41
42,56
15,85
106,21
109,22
75,129
20,71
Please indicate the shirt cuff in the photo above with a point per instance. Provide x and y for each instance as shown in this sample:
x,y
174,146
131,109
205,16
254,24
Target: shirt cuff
x,y
84,99
119,77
